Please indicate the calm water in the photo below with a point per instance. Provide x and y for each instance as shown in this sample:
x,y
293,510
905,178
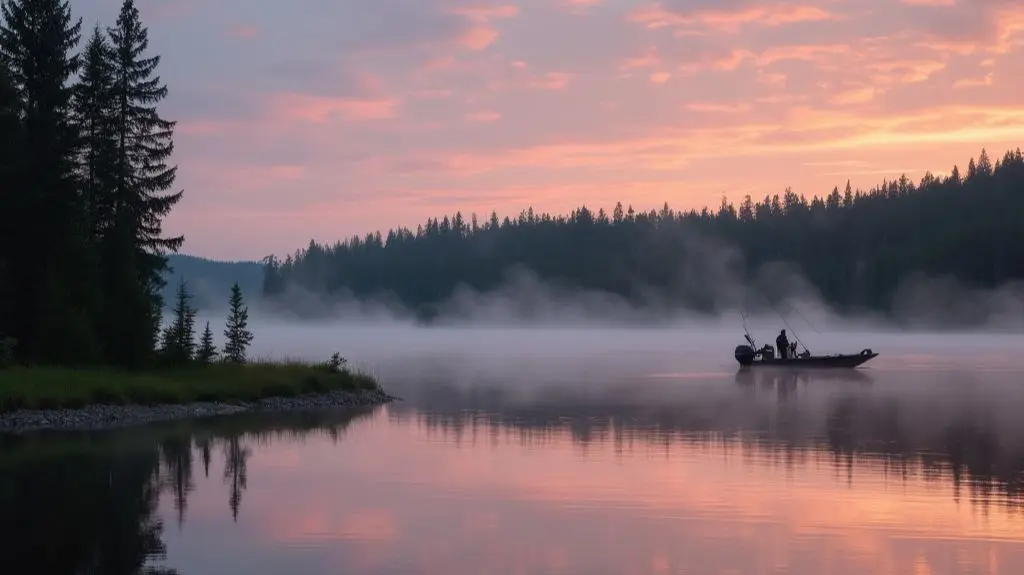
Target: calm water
x,y
615,457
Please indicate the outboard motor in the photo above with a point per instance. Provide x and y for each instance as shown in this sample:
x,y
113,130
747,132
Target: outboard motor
x,y
745,354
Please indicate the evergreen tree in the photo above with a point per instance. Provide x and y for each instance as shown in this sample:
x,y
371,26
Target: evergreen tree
x,y
94,108
11,135
179,339
54,265
134,247
207,350
856,248
236,333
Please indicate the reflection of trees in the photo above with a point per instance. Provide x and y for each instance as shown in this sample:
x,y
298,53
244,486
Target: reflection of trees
x,y
88,503
236,455
764,413
80,512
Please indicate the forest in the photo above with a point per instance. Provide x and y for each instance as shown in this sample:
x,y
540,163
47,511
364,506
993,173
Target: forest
x,y
85,183
855,248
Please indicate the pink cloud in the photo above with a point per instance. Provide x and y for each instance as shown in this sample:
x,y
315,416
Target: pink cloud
x,y
551,81
481,104
243,32
479,37
483,117
320,109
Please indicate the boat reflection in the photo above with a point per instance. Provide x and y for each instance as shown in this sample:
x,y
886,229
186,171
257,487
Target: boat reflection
x,y
785,377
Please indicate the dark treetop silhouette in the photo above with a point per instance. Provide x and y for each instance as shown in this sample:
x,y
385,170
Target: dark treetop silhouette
x,y
856,248
85,186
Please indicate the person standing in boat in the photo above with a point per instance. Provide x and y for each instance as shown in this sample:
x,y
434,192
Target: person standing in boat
x,y
782,344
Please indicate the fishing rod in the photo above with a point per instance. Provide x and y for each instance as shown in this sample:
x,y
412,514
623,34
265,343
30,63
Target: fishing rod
x,y
784,321
793,331
803,317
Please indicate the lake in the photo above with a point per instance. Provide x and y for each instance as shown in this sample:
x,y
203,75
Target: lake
x,y
556,451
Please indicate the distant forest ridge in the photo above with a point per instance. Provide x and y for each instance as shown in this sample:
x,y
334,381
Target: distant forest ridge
x,y
859,250
210,281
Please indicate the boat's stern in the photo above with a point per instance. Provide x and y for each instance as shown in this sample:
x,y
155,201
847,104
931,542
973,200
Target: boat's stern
x,y
745,354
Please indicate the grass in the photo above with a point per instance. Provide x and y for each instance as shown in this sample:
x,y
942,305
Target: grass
x,y
43,387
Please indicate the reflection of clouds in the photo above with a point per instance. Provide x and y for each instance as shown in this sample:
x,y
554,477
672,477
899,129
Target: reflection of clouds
x,y
398,496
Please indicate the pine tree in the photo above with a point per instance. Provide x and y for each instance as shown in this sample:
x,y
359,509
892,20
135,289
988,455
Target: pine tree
x,y
93,109
11,137
179,339
236,333
207,350
135,247
54,265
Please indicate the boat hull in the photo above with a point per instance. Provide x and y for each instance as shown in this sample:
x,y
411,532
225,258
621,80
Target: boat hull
x,y
842,361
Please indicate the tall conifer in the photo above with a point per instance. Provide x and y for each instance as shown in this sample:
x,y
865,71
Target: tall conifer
x,y
10,148
237,336
136,246
53,264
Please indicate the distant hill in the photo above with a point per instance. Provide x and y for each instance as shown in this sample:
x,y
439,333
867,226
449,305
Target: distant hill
x,y
210,280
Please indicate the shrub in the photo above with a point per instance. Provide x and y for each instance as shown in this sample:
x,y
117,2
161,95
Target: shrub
x,y
7,345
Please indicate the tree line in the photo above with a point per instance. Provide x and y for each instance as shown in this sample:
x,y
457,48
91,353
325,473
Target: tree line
x,y
178,345
855,247
85,183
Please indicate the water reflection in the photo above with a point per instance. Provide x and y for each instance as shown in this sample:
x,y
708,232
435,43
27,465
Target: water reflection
x,y
88,503
807,472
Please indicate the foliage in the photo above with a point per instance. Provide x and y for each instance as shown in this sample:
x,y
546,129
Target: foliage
x,y
179,339
856,248
336,363
53,387
52,263
83,176
7,346
207,350
236,333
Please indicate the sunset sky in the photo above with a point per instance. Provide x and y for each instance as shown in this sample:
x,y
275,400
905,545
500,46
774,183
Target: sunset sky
x,y
325,118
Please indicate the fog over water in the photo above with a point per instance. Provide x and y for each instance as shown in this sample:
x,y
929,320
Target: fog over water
x,y
572,447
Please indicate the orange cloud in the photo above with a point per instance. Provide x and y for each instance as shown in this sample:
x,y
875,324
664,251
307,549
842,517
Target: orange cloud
x,y
857,95
985,80
479,37
926,86
729,21
648,59
889,72
660,77
713,107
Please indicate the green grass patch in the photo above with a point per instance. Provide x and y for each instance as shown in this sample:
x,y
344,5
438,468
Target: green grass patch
x,y
60,387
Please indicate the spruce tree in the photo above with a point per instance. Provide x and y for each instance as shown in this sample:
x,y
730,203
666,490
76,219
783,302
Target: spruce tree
x,y
236,333
11,135
93,109
179,339
53,267
134,247
207,350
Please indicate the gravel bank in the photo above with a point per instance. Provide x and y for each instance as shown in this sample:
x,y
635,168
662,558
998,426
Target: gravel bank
x,y
110,416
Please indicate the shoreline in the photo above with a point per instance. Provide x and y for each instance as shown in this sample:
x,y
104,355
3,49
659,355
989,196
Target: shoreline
x,y
96,417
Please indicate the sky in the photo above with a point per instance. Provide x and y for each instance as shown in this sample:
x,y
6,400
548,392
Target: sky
x,y
327,118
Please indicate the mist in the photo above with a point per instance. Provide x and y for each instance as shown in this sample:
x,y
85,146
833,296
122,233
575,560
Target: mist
x,y
712,284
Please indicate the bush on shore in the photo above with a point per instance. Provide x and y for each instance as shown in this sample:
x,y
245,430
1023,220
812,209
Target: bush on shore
x,y
186,371
61,387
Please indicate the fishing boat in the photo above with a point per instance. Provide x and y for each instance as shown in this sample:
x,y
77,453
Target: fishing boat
x,y
750,355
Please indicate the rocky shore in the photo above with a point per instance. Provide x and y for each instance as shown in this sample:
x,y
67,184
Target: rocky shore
x,y
95,417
